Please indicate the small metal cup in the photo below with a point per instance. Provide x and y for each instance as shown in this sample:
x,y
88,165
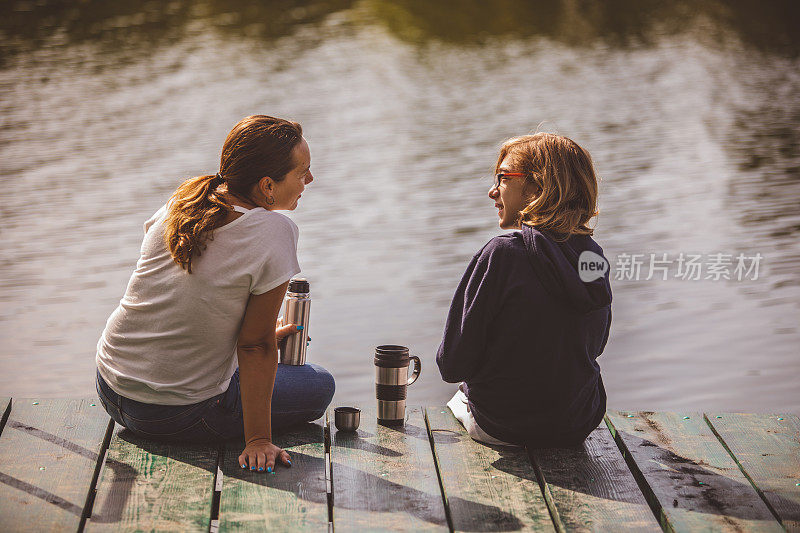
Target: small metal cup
x,y
347,418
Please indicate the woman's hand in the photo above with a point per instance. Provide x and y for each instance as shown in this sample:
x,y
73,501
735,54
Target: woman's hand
x,y
261,454
281,331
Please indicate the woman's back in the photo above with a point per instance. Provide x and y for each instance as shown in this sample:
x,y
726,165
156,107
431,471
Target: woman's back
x,y
172,339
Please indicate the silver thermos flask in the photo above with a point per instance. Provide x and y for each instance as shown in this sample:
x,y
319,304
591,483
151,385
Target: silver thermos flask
x,y
296,310
391,382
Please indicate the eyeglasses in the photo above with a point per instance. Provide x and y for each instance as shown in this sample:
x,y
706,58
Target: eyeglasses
x,y
500,176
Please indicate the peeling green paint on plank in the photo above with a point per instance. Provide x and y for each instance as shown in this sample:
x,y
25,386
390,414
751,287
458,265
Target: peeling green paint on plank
x,y
488,488
767,447
289,499
147,485
687,471
592,488
384,478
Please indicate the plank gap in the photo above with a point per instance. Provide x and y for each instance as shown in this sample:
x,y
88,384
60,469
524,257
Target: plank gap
x,y
741,467
647,491
6,412
326,437
213,524
548,496
447,515
101,461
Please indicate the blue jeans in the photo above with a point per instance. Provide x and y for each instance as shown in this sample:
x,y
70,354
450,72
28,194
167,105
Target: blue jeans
x,y
301,394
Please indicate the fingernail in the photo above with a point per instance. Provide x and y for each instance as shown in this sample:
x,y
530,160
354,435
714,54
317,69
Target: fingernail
x,y
252,468
269,469
244,466
260,468
289,463
299,328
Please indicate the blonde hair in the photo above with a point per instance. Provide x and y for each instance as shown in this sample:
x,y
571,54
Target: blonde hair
x,y
563,176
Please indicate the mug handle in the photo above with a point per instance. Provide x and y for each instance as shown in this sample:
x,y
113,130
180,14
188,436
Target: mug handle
x,y
417,369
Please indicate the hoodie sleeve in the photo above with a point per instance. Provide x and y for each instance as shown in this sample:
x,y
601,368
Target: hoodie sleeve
x,y
472,310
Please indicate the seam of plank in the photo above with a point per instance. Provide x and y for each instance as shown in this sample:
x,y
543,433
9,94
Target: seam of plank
x,y
438,472
326,438
647,491
216,493
548,496
101,461
6,412
741,467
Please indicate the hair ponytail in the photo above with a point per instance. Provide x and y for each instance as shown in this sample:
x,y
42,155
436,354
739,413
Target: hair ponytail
x,y
194,210
257,146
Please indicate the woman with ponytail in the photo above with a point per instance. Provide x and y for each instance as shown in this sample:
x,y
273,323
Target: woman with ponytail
x,y
205,296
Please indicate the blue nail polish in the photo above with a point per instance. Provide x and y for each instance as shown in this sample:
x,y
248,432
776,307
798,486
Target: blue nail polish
x,y
252,468
244,466
269,469
299,328
260,468
289,463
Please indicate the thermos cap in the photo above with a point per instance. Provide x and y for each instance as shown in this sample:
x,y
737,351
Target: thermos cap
x,y
298,285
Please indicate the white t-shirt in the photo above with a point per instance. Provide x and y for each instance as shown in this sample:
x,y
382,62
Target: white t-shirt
x,y
172,339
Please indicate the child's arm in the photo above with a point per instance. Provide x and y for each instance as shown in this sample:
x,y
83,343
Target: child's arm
x,y
473,308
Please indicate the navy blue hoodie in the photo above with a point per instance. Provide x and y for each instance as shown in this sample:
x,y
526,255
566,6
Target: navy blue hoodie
x,y
523,333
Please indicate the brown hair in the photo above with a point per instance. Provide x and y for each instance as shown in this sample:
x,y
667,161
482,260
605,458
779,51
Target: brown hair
x,y
257,146
563,176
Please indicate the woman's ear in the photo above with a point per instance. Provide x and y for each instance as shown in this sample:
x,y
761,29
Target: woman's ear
x,y
265,185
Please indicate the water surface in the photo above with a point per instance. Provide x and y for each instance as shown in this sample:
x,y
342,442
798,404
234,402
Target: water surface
x,y
690,111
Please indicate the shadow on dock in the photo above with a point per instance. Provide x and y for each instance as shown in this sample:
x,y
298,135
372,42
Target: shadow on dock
x,y
592,469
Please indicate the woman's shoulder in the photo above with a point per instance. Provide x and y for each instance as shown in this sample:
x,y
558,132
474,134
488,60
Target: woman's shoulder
x,y
273,220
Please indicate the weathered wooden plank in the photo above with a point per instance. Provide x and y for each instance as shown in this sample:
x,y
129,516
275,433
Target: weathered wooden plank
x,y
289,499
384,478
689,475
154,486
767,447
488,488
592,488
49,451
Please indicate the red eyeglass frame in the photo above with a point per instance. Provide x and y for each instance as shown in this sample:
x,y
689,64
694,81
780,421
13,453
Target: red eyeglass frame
x,y
500,176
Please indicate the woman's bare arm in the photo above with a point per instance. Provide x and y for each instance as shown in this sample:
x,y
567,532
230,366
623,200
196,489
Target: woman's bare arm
x,y
257,350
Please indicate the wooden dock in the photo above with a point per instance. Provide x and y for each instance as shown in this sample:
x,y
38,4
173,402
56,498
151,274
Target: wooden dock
x,y
65,466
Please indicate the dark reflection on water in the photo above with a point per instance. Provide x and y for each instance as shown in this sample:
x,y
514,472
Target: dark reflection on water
x,y
688,108
144,27
619,23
